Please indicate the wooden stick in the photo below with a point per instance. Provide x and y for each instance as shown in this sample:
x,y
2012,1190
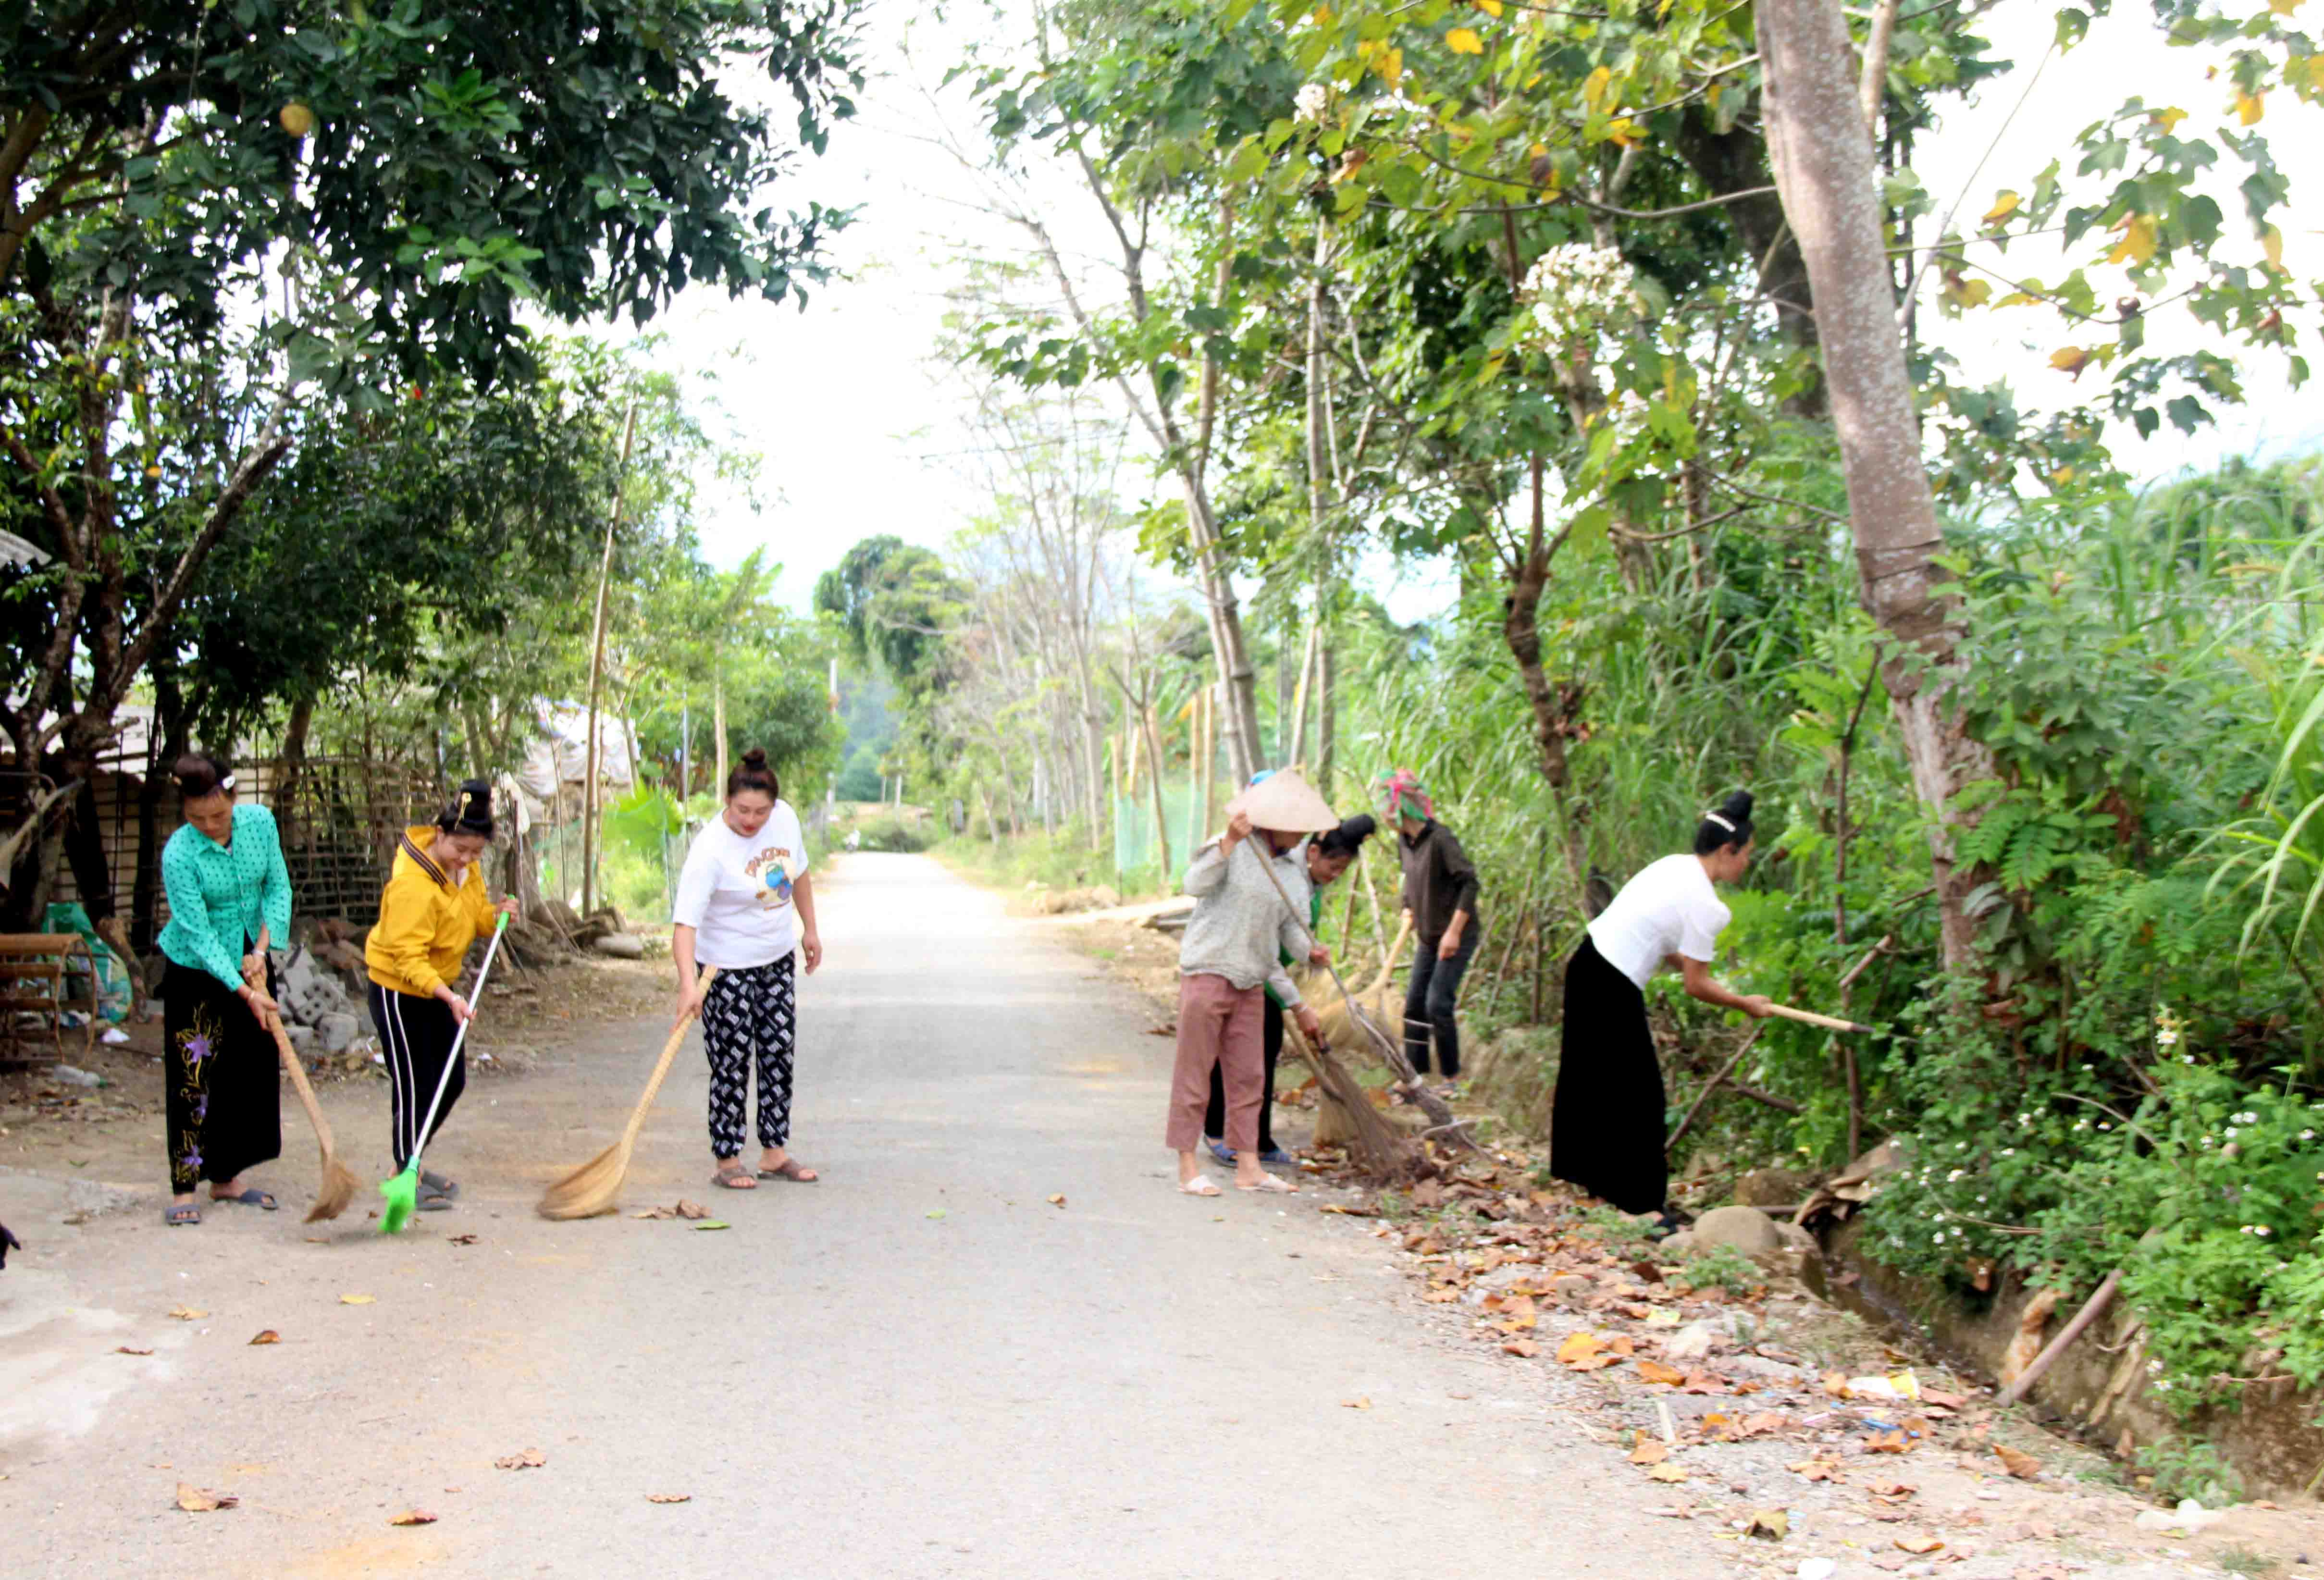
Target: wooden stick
x,y
1828,1022
2041,1362
1711,1084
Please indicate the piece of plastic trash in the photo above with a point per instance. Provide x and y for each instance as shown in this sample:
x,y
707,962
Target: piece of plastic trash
x,y
1900,1385
112,1037
72,1076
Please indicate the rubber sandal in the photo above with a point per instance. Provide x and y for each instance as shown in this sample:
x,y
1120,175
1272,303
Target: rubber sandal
x,y
1200,1184
431,1200
733,1177
1271,1184
252,1197
1276,1155
449,1189
182,1217
1220,1151
793,1171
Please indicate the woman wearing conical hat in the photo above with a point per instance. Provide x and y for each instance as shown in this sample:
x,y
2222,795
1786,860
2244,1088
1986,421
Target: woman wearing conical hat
x,y
1250,903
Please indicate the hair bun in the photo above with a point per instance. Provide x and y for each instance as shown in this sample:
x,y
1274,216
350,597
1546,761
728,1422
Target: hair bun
x,y
756,757
1737,805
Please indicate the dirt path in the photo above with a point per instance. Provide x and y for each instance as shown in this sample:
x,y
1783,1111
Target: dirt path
x,y
919,1367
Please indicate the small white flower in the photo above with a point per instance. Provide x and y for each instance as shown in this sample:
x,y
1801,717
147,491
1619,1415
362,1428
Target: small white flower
x,y
1313,99
2231,1133
1955,1174
2009,1152
2260,1228
2307,1135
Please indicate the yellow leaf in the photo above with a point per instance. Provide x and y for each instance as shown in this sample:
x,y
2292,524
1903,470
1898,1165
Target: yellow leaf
x,y
1322,15
2284,7
2069,359
2004,205
2167,119
2250,107
1390,67
1964,292
2316,71
1461,40
1656,1372
2272,243
1625,131
2019,299
1493,7
2138,244
1667,1471
356,1299
1593,87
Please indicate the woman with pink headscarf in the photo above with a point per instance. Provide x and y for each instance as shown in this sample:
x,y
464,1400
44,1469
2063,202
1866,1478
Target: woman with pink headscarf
x,y
1440,904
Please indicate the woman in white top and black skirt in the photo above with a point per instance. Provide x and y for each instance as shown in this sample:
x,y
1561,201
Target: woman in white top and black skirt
x,y
1606,1125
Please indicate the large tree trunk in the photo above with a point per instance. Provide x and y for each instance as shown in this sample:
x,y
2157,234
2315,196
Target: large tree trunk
x,y
1831,193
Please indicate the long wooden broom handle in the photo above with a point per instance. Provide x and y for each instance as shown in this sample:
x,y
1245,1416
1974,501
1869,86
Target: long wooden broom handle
x,y
290,1064
1828,1022
661,1068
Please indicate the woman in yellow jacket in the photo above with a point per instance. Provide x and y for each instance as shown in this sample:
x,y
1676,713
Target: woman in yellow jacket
x,y
432,909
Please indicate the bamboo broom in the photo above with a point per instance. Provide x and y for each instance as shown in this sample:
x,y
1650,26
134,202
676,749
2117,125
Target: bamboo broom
x,y
595,1187
335,1184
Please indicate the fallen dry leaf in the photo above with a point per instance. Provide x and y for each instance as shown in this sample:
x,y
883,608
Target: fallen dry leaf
x,y
1443,1296
1817,1469
1894,1493
356,1299
463,1240
531,1459
1656,1372
187,1313
1348,1212
691,1210
266,1335
2045,1572
1649,1450
1769,1524
2019,1464
1667,1471
1364,1403
670,1497
656,1213
1919,1546
194,1500
130,1350
1525,1347
1058,1200
1888,1443
413,1517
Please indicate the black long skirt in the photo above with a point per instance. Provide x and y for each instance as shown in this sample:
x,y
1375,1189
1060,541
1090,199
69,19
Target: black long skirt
x,y
1605,1122
221,1093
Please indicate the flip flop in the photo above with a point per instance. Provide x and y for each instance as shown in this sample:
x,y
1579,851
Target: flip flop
x,y
252,1197
182,1217
1276,1155
431,1200
733,1177
793,1171
1200,1184
1220,1151
449,1189
1270,1184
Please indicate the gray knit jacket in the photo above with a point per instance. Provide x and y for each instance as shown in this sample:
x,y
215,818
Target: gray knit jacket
x,y
1240,927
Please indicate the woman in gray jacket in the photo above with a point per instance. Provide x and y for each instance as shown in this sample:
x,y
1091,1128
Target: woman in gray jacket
x,y
1250,901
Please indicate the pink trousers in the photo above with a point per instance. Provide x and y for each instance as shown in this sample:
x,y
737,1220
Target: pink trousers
x,y
1219,1024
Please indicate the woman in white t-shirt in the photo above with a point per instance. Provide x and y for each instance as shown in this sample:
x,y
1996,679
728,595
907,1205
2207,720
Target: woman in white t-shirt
x,y
744,904
1606,1125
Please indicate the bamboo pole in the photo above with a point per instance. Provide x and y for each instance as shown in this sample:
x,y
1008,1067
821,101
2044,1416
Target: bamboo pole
x,y
1295,745
1161,812
1210,751
597,672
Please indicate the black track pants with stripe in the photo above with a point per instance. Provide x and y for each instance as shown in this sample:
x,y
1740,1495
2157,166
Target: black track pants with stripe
x,y
416,1035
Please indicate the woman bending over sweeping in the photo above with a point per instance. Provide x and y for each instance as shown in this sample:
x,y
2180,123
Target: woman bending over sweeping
x,y
1327,857
1605,1122
224,875
1240,928
1440,903
433,908
744,904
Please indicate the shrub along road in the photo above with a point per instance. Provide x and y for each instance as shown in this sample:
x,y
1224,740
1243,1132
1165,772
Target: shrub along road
x,y
921,1366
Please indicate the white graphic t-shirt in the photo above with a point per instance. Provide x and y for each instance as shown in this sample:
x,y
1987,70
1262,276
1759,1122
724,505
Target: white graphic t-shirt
x,y
736,892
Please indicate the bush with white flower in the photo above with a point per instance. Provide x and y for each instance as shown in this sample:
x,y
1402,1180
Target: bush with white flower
x,y
1578,291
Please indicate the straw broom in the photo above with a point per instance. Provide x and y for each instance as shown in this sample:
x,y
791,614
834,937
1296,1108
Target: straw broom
x,y
337,1186
595,1187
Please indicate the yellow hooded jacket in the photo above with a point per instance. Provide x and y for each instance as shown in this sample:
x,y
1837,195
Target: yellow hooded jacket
x,y
424,923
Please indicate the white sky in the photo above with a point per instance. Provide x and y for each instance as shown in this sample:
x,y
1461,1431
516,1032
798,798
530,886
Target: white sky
x,y
861,434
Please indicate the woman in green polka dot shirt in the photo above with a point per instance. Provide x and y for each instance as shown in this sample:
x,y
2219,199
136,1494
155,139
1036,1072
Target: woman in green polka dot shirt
x,y
224,875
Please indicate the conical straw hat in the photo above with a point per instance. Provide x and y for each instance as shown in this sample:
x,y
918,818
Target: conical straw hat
x,y
1287,803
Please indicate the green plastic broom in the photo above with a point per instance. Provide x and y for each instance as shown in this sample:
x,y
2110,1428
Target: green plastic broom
x,y
402,1192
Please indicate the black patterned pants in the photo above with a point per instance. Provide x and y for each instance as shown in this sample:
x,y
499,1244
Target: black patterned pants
x,y
749,1017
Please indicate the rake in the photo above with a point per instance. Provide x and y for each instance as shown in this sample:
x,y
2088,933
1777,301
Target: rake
x,y
594,1187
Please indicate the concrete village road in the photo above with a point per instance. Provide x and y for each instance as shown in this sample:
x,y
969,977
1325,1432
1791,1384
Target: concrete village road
x,y
919,1367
